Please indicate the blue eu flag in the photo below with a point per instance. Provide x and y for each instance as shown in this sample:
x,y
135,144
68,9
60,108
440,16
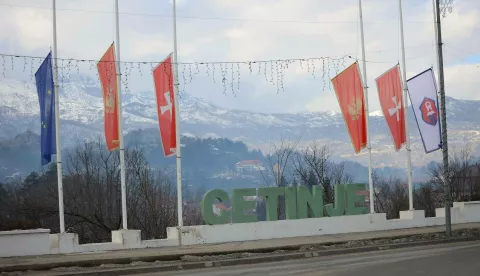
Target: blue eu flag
x,y
46,98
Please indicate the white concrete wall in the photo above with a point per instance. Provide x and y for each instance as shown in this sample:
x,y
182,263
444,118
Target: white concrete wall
x,y
297,228
24,242
122,239
40,242
461,213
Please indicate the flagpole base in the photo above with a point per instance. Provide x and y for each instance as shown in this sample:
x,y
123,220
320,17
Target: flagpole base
x,y
64,243
128,238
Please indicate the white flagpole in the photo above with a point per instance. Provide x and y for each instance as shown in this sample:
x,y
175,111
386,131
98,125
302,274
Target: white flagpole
x,y
120,120
405,98
177,121
365,88
57,124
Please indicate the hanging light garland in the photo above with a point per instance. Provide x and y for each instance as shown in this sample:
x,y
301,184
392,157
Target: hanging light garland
x,y
228,73
446,7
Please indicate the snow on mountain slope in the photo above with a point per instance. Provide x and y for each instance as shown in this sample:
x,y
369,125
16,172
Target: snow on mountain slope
x,y
81,103
81,111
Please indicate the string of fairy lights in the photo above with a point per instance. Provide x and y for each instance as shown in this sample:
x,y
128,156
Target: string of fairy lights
x,y
226,73
446,7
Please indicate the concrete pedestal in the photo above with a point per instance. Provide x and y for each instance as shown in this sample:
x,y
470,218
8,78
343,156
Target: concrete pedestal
x,y
128,238
24,242
63,243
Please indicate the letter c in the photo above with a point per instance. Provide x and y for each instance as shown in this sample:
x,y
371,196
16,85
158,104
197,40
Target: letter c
x,y
207,207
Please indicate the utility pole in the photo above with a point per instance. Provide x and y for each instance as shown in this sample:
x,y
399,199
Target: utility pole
x,y
443,113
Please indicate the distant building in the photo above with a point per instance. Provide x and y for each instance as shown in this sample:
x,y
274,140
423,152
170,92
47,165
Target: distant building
x,y
218,207
249,166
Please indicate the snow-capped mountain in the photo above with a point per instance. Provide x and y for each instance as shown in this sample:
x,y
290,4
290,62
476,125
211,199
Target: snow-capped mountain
x,y
81,113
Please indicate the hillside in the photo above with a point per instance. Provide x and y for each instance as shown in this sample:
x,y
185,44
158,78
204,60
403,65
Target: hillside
x,y
202,158
82,119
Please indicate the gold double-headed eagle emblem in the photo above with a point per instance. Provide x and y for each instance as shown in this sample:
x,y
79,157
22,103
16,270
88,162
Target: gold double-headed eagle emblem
x,y
109,101
355,108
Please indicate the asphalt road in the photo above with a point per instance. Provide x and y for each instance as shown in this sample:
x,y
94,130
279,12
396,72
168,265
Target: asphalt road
x,y
458,259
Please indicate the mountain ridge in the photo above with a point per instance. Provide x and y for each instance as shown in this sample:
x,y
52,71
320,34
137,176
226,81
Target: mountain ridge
x,y
81,118
21,155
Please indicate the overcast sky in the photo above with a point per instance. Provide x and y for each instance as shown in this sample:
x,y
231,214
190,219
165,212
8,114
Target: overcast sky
x,y
249,30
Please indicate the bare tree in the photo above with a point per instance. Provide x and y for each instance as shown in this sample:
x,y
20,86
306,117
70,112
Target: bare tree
x,y
92,197
152,202
191,205
314,159
428,197
278,170
12,215
279,158
463,175
314,167
391,196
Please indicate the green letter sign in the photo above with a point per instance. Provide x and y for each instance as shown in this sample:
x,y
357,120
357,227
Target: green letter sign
x,y
239,204
300,203
271,199
207,207
339,209
309,201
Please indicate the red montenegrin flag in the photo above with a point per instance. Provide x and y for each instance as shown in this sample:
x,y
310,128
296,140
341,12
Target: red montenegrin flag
x,y
349,90
163,80
108,78
391,99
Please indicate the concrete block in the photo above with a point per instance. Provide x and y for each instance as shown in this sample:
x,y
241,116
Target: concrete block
x,y
440,212
468,204
465,212
24,242
159,243
128,238
63,243
99,247
172,233
413,214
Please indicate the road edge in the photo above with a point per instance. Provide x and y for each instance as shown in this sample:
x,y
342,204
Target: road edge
x,y
258,259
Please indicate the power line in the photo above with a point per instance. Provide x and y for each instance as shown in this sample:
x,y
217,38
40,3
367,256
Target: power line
x,y
461,59
461,50
212,18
